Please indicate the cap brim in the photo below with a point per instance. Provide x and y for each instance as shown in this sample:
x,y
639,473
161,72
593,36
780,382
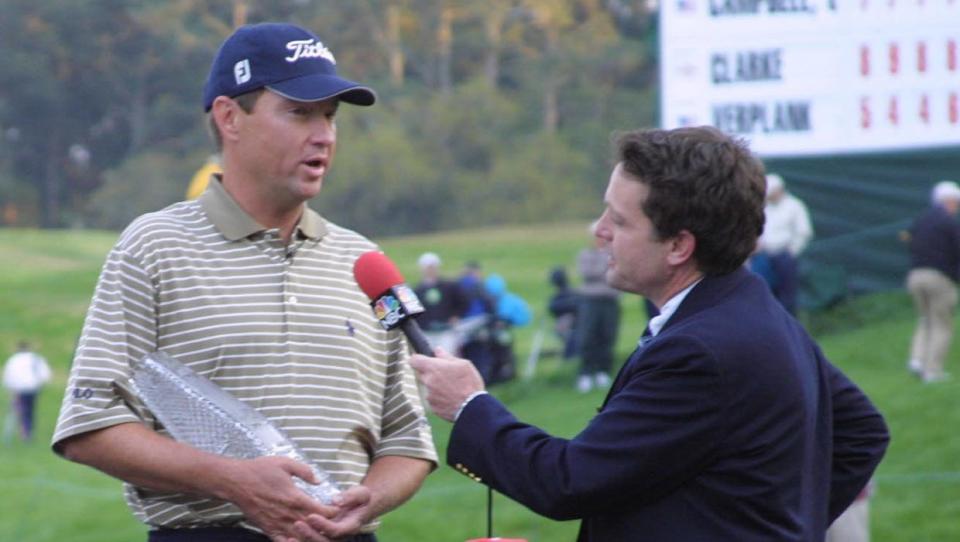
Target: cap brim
x,y
317,87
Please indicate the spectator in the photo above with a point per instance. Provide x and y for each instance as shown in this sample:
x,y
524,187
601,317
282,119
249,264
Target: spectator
x,y
934,240
598,318
786,232
471,287
563,306
24,374
509,310
201,178
443,302
477,347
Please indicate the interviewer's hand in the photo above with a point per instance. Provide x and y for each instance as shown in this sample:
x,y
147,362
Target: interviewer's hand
x,y
449,381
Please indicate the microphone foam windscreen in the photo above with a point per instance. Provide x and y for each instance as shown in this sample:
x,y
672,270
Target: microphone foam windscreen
x,y
375,273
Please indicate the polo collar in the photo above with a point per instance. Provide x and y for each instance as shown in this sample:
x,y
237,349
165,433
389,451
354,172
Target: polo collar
x,y
311,225
235,224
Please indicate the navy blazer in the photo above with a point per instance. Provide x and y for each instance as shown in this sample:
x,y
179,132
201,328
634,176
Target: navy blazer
x,y
729,425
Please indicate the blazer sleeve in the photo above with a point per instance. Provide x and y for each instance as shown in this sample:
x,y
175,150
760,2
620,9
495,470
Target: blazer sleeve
x,y
657,431
860,439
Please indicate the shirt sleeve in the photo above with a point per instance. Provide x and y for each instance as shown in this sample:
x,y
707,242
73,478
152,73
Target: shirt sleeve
x,y
405,430
120,326
667,421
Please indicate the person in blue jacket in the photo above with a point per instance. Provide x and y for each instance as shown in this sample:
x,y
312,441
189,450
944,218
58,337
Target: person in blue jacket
x,y
509,310
507,306
727,423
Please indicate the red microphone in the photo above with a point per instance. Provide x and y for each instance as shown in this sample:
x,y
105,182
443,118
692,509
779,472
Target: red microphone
x,y
394,303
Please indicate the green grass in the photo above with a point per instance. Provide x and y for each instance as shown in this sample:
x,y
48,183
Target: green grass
x,y
49,276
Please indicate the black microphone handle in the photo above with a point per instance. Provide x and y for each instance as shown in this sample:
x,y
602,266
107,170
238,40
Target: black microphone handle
x,y
416,337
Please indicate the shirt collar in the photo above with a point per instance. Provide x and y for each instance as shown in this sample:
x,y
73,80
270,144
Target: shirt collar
x,y
234,223
657,322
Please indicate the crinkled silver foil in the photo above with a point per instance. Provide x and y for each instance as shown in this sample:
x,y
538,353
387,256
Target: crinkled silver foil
x,y
196,411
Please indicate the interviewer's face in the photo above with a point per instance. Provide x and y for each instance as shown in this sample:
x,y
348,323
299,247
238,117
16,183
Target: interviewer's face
x,y
638,258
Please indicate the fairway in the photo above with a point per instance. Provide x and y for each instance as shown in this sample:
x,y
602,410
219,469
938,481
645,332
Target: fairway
x,y
49,277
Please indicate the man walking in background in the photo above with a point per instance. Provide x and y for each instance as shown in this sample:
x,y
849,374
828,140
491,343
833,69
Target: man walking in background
x,y
252,289
598,316
24,374
786,232
934,241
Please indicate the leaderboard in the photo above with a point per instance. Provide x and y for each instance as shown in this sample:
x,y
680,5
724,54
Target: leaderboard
x,y
797,77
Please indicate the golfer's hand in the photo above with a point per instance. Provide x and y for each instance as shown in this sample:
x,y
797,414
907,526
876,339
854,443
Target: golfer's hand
x,y
350,511
448,380
264,491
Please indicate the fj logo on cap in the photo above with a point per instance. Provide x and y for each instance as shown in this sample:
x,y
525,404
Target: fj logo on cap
x,y
241,71
308,49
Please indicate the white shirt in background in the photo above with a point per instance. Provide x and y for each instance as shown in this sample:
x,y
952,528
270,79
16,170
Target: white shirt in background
x,y
25,372
787,227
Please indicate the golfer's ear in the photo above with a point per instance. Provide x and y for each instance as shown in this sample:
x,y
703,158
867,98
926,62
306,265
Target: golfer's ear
x,y
227,115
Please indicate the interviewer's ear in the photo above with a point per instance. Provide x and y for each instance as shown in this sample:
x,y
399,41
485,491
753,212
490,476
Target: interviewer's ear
x,y
682,247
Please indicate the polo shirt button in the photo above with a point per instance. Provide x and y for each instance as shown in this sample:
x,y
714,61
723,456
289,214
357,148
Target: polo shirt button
x,y
293,300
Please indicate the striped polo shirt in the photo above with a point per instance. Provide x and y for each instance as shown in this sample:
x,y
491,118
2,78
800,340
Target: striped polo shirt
x,y
282,327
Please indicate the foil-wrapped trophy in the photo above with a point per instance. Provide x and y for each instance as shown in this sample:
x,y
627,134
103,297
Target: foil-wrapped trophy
x,y
196,411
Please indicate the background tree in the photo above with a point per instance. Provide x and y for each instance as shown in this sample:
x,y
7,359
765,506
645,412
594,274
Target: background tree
x,y
489,111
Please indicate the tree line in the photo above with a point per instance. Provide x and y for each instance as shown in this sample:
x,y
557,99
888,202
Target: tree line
x,y
489,112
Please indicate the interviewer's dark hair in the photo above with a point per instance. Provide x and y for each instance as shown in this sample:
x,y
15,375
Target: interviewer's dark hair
x,y
702,181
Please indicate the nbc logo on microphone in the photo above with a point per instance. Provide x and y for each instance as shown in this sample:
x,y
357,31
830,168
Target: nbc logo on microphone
x,y
388,311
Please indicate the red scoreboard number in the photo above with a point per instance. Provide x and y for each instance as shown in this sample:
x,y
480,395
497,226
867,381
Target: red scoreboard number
x,y
892,106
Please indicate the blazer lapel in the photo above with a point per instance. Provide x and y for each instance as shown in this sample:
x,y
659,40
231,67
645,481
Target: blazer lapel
x,y
618,381
701,297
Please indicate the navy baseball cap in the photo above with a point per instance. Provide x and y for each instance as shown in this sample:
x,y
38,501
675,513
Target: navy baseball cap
x,y
284,58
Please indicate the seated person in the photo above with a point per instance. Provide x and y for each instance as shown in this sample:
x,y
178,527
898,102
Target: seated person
x,y
476,347
563,307
471,286
509,310
442,300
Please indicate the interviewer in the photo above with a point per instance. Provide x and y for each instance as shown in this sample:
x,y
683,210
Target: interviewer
x,y
727,423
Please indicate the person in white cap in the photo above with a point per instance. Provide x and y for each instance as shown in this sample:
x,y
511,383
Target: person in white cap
x,y
443,300
249,287
934,241
787,231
